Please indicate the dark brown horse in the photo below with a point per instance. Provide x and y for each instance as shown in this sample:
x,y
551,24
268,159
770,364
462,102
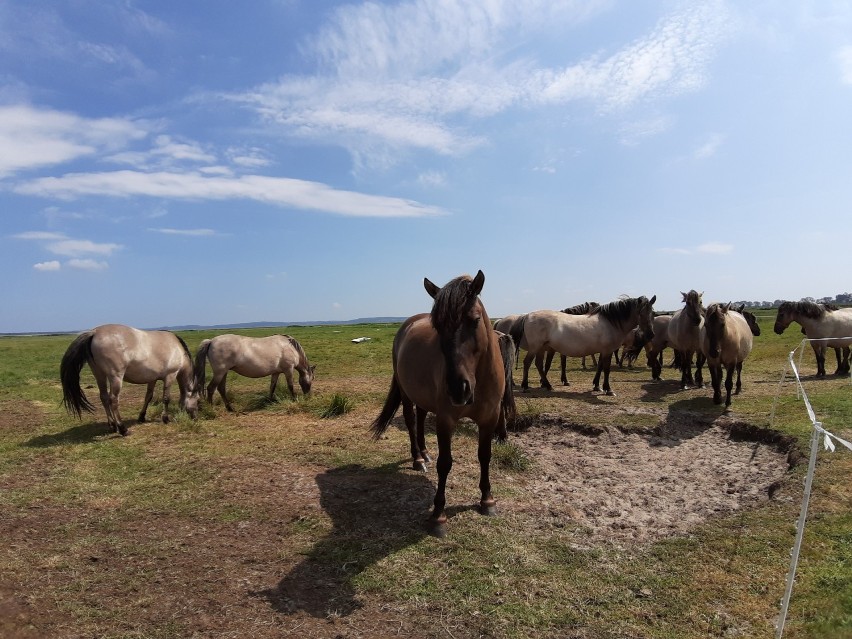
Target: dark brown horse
x,y
449,362
118,353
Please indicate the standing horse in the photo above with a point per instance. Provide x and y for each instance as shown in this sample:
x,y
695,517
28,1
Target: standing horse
x,y
829,325
116,353
449,362
726,340
253,357
580,309
601,331
683,336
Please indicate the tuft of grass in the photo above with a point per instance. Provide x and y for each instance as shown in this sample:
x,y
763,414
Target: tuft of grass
x,y
337,406
509,457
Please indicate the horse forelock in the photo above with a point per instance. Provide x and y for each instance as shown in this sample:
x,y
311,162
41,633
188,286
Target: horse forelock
x,y
452,302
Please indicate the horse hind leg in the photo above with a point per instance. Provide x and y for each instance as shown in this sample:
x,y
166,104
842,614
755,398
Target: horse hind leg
x,y
539,364
149,395
223,392
739,385
167,398
417,461
114,392
273,383
421,434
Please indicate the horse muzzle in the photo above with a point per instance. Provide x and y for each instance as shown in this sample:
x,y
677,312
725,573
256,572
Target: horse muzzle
x,y
778,329
461,394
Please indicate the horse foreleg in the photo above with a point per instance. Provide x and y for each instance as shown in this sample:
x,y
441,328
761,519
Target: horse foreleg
x,y
845,367
487,505
699,363
564,377
604,363
716,381
149,395
288,375
729,383
437,524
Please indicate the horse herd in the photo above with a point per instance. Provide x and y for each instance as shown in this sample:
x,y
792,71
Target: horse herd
x,y
452,362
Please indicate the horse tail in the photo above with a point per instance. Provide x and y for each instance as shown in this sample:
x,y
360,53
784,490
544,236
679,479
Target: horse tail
x,y
78,353
201,364
507,404
516,332
394,399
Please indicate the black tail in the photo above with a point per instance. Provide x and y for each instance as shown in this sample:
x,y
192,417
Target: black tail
x,y
75,357
201,365
394,399
516,332
507,405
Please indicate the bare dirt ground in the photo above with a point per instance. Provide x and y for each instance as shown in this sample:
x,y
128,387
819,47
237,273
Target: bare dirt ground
x,y
256,576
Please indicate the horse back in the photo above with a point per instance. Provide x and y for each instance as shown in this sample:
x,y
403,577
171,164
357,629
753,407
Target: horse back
x,y
572,335
252,356
138,356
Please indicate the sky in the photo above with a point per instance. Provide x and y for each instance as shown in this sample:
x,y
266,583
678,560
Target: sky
x,y
211,162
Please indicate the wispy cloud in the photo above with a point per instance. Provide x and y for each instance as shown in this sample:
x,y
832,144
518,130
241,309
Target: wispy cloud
x,y
713,248
432,179
33,138
187,232
87,264
709,148
300,194
381,90
39,235
61,244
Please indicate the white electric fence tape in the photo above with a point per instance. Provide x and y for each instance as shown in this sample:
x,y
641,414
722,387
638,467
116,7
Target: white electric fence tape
x,y
828,442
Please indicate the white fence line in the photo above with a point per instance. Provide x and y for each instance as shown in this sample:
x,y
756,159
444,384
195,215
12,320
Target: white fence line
x,y
828,441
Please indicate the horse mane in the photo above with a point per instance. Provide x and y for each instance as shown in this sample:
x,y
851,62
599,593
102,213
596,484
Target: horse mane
x,y
451,302
581,309
185,347
808,309
303,359
619,311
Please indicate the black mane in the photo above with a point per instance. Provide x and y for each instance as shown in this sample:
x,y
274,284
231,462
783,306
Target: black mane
x,y
620,311
807,309
581,309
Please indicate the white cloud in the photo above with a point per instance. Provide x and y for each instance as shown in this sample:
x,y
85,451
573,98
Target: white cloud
x,y
715,248
676,251
39,235
299,194
187,232
87,264
52,265
336,305
432,179
32,138
844,59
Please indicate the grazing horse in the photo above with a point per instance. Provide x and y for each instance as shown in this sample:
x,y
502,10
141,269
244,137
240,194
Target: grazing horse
x,y
116,353
452,363
253,357
683,336
601,331
726,340
820,322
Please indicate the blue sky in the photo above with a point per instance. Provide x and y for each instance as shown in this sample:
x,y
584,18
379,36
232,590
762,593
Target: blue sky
x,y
207,162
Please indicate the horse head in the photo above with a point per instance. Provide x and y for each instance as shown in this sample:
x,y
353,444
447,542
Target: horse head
x,y
306,378
714,324
694,308
784,317
462,326
751,320
646,317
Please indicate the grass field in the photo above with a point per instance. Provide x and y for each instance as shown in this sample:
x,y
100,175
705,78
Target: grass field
x,y
286,519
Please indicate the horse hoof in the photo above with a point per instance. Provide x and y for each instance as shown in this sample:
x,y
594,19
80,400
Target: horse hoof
x,y
609,393
166,419
419,465
437,527
596,389
717,400
426,457
488,508
122,431
142,419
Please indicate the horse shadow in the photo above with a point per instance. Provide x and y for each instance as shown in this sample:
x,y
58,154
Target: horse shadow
x,y
374,513
81,434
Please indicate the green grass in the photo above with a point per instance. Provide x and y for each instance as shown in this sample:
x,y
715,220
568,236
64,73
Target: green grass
x,y
513,575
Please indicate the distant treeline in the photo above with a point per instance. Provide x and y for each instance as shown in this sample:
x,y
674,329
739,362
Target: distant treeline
x,y
841,299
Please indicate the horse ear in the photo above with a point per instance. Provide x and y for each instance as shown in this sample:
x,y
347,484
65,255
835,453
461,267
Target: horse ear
x,y
477,284
741,308
430,287
684,295
652,300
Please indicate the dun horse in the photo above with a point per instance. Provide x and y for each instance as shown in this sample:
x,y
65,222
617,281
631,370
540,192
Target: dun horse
x,y
683,335
253,357
829,325
601,331
726,340
116,353
449,362
580,309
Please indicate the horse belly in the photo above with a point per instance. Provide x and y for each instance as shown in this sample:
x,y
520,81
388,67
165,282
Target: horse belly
x,y
144,371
